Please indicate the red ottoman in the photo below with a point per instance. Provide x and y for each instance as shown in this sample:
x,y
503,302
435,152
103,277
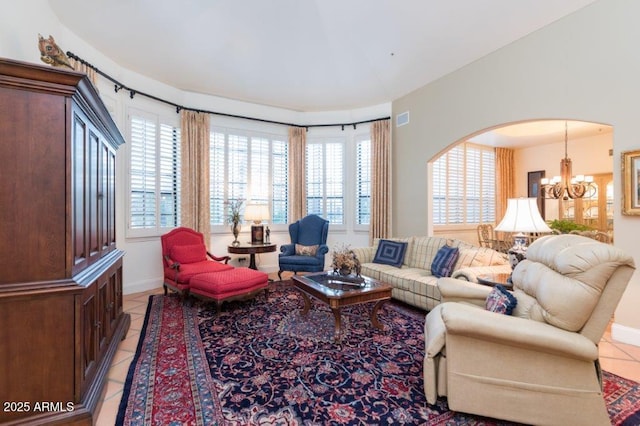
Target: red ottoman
x,y
233,284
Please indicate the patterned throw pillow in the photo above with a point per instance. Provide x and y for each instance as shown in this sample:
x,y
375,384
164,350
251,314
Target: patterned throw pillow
x,y
189,253
390,253
442,265
306,250
500,301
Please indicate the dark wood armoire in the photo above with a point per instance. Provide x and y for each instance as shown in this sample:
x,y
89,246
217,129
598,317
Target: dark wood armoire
x,y
61,315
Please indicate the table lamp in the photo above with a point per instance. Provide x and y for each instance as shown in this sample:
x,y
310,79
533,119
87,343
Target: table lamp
x,y
522,216
256,213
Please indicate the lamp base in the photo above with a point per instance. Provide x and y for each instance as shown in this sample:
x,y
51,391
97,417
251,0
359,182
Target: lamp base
x,y
518,252
257,234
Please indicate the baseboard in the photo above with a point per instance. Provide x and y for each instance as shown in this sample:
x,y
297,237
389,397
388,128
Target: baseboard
x,y
140,286
624,334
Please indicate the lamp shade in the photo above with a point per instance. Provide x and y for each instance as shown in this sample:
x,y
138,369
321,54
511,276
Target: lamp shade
x,y
256,212
522,216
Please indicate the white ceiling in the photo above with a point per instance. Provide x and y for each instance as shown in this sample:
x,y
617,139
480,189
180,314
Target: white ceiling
x,y
541,132
303,55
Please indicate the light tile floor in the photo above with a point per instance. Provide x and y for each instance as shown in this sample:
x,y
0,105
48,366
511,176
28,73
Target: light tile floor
x,y
615,357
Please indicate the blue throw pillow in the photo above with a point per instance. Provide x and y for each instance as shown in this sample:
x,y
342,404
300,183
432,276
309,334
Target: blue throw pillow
x,y
390,253
442,265
500,301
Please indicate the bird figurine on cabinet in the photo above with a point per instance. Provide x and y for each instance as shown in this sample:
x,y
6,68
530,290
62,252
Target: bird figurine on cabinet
x,y
50,53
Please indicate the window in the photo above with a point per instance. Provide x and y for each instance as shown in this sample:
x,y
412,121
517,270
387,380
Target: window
x,y
154,168
464,186
248,166
325,187
363,181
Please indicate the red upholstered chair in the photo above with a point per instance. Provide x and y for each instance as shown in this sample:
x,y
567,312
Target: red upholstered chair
x,y
184,255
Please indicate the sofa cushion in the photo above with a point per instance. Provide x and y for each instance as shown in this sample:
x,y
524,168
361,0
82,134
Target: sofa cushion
x,y
306,250
189,253
500,301
390,253
443,263
479,256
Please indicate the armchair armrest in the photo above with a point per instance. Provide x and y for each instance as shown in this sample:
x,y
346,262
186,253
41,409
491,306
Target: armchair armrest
x,y
322,250
470,321
455,290
287,249
365,254
171,263
219,258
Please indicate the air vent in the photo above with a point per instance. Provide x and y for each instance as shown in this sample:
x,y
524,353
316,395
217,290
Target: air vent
x,y
402,119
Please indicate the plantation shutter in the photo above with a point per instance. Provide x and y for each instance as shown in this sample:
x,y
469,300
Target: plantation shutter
x,y
280,187
169,176
363,182
217,178
143,173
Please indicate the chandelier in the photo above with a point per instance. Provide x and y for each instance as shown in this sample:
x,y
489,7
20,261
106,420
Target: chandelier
x,y
567,186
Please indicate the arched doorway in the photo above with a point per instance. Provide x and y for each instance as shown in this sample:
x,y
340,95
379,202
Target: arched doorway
x,y
538,147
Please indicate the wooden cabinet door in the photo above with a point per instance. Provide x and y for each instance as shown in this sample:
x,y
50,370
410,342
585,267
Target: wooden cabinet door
x,y
89,325
78,204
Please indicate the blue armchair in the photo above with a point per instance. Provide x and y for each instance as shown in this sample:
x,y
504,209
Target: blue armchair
x,y
308,232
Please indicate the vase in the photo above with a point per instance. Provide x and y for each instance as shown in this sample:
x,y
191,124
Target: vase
x,y
235,229
344,270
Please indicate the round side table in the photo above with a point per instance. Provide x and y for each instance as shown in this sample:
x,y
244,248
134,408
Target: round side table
x,y
495,279
251,250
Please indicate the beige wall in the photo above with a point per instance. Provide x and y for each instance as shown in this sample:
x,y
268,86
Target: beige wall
x,y
583,67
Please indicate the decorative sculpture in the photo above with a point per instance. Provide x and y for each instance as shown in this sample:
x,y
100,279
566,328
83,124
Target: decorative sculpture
x,y
50,53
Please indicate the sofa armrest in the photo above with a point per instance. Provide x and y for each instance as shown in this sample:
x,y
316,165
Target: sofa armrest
x,y
365,254
471,273
470,321
455,290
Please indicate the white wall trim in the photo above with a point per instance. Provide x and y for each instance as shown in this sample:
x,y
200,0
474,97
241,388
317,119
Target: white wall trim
x,y
624,334
141,286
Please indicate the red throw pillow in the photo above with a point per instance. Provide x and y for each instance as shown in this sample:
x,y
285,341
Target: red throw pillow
x,y
189,253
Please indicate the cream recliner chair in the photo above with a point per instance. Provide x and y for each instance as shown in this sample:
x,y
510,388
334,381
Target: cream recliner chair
x,y
540,365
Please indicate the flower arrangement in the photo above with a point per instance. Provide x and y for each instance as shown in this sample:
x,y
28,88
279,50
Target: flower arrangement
x,y
345,260
234,207
233,218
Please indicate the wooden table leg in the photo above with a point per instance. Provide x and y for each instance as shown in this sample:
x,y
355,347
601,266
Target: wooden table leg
x,y
374,315
338,328
307,303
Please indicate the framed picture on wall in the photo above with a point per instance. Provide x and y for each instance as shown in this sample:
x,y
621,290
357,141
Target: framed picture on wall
x,y
631,183
533,189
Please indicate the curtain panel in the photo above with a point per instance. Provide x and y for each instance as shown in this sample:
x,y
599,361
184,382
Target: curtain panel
x,y
90,72
380,180
505,180
297,173
195,172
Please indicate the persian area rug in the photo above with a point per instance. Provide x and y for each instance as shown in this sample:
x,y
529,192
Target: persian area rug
x,y
261,363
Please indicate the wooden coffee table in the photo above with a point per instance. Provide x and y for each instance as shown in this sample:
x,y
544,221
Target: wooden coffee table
x,y
337,292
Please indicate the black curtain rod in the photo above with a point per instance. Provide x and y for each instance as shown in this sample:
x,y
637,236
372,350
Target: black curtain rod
x,y
132,92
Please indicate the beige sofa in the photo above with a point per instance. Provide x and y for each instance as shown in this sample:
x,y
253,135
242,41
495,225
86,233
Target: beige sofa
x,y
413,282
540,364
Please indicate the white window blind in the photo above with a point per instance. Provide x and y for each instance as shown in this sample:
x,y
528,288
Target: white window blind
x,y
325,180
154,168
463,184
363,182
251,167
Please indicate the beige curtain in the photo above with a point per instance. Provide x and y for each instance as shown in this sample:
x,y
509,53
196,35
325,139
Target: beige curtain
x,y
195,172
297,173
505,180
380,180
90,72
